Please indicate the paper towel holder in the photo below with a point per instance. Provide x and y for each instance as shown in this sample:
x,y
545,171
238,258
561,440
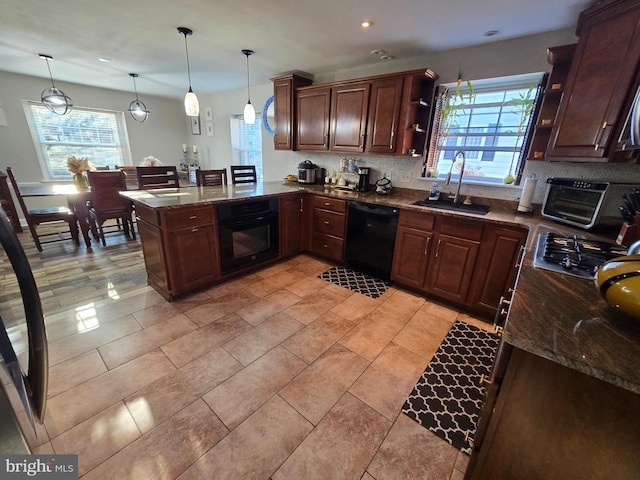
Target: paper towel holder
x,y
528,189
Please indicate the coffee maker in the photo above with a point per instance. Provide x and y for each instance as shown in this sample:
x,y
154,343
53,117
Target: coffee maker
x,y
363,180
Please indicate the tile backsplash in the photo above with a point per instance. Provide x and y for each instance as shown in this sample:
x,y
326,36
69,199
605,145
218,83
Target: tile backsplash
x,y
405,172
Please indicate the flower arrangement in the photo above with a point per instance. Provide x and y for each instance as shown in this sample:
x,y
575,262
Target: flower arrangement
x,y
150,161
78,165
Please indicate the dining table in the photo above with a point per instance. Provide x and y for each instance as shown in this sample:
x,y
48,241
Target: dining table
x,y
76,200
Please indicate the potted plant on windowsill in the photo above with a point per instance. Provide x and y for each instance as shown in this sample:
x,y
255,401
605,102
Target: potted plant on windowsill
x,y
523,104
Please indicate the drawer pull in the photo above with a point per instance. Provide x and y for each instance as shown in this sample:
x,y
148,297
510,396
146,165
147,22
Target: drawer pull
x,y
194,229
327,204
325,246
193,217
326,223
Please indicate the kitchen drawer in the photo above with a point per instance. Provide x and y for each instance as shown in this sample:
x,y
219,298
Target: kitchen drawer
x,y
147,214
327,203
330,223
188,217
327,245
461,228
422,221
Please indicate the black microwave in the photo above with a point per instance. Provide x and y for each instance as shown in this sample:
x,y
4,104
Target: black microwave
x,y
585,204
630,137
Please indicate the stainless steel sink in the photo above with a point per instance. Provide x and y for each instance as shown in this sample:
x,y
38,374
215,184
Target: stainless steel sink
x,y
457,207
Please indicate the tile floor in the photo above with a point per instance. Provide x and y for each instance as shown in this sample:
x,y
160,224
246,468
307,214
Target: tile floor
x,y
277,375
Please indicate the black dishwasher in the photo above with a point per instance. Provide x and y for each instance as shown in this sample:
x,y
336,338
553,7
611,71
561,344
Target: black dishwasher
x,y
371,236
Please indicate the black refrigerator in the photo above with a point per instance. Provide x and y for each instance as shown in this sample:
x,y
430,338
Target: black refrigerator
x,y
23,342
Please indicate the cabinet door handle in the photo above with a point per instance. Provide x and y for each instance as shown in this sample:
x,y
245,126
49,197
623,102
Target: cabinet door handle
x,y
438,248
426,247
361,140
301,205
393,134
326,141
599,140
520,258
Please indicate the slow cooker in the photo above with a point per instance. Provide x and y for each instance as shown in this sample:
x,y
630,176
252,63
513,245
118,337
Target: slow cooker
x,y
306,172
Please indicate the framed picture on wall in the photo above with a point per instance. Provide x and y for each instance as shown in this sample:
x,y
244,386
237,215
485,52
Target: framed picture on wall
x,y
195,125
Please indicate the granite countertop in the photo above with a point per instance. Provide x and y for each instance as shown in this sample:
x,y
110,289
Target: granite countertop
x,y
556,316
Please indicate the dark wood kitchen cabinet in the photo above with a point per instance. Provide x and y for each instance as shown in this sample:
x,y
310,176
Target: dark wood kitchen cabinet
x,y
384,115
541,419
599,81
312,126
180,248
349,108
453,259
496,268
328,226
293,228
436,254
416,112
285,109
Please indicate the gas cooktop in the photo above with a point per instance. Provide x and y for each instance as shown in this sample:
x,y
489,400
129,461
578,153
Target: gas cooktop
x,y
573,255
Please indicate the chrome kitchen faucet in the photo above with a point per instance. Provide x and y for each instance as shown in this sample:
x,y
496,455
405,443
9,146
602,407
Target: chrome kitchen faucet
x,y
456,197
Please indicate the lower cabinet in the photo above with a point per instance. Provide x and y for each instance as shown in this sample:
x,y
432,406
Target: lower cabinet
x,y
471,263
293,231
328,226
544,420
180,248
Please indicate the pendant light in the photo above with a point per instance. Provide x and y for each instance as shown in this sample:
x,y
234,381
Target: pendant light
x,y
191,105
53,98
137,109
249,111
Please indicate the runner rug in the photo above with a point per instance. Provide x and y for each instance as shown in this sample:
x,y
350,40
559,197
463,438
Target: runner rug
x,y
356,281
448,396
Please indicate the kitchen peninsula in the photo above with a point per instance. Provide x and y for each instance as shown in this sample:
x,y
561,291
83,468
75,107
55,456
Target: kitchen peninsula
x,y
564,393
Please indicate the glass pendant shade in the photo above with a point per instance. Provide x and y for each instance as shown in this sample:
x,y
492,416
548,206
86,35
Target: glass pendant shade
x,y
53,98
249,114
249,111
137,109
191,104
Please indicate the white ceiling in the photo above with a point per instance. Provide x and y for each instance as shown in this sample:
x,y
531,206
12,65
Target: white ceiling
x,y
141,36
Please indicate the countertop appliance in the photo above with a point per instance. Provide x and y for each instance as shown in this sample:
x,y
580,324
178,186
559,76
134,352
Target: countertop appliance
x,y
573,255
248,233
23,345
306,172
371,237
363,179
584,203
630,136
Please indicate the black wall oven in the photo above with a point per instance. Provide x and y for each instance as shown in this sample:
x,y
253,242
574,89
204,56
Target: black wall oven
x,y
248,233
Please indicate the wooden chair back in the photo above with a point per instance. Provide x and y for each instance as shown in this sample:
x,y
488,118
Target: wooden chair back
x,y
106,202
36,217
131,176
243,174
157,177
207,178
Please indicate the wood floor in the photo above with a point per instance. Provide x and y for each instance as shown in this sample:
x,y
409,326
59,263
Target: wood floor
x,y
276,375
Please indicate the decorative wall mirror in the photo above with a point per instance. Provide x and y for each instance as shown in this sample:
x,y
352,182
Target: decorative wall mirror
x,y
268,116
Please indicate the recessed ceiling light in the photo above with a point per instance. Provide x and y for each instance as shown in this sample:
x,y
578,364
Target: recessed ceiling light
x,y
366,23
386,57
490,33
104,60
378,52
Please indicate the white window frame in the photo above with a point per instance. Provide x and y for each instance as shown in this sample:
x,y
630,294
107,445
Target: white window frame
x,y
436,155
124,147
239,151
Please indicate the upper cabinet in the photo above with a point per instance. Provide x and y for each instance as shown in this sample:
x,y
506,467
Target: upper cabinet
x,y
284,89
382,114
599,80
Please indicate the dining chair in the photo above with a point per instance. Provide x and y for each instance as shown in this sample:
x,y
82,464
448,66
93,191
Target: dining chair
x,y
39,216
157,177
131,176
107,204
207,178
243,174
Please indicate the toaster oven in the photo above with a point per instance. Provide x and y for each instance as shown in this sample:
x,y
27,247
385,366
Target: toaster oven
x,y
585,204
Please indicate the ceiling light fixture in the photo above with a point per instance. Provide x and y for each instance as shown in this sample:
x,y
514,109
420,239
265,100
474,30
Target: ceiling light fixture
x,y
249,111
53,98
191,105
490,33
137,109
366,23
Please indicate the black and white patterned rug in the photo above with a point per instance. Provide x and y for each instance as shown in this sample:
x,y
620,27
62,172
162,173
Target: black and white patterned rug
x,y
356,281
448,397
